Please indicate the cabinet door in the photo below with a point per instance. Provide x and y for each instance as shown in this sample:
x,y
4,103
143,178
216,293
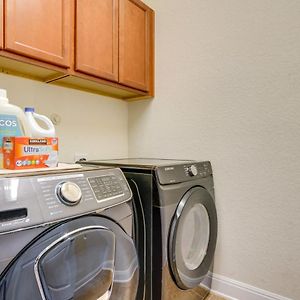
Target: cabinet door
x,y
1,24
134,39
39,29
97,38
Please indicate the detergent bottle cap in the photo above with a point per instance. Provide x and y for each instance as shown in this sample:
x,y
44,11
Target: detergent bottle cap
x,y
3,96
29,109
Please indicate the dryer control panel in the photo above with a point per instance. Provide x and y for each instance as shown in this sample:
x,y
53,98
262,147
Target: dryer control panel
x,y
42,199
177,173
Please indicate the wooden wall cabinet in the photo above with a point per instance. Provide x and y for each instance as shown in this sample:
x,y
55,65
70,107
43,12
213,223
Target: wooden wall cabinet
x,y
114,41
134,44
104,47
1,24
96,32
39,29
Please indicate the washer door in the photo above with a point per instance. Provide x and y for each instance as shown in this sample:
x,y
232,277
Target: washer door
x,y
89,258
192,238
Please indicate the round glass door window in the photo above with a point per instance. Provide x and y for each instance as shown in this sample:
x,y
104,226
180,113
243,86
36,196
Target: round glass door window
x,y
192,238
195,236
88,258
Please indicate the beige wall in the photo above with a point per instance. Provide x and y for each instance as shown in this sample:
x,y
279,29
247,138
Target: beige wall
x,y
90,123
228,90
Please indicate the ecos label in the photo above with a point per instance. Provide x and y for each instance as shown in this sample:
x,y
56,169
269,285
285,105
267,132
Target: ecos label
x,y
9,126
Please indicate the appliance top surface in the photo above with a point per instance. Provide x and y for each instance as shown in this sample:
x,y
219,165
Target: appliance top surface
x,y
141,162
51,171
168,171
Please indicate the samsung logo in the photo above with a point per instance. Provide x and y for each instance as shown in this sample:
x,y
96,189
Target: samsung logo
x,y
169,168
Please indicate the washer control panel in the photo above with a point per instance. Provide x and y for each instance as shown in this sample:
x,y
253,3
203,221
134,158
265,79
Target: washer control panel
x,y
183,172
31,200
105,187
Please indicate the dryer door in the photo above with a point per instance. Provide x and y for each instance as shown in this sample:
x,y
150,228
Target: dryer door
x,y
89,258
192,238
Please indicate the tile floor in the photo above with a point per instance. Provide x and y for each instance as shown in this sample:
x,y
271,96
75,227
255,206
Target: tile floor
x,y
214,297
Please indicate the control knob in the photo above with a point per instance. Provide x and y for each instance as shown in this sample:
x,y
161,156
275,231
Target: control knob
x,y
192,170
69,193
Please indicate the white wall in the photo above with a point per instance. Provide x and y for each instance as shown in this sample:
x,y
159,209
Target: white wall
x,y
228,90
90,124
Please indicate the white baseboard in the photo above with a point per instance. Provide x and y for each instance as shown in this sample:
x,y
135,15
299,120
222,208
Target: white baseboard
x,y
235,290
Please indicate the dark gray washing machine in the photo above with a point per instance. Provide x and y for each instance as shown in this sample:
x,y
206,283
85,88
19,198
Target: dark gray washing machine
x,y
181,224
67,235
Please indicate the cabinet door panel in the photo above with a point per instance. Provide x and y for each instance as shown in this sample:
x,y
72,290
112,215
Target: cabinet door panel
x,y
134,42
39,29
97,38
1,24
